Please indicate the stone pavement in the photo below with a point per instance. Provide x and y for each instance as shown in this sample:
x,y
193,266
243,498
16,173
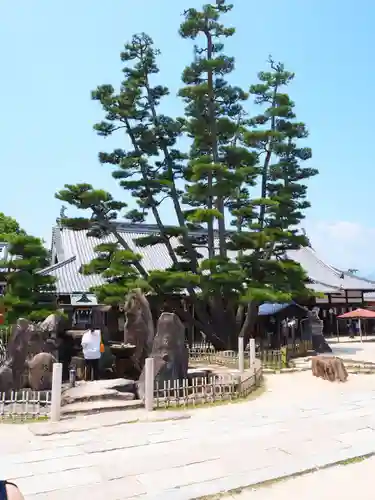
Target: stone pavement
x,y
301,422
344,482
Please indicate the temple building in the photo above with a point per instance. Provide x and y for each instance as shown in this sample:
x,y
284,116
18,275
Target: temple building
x,y
70,249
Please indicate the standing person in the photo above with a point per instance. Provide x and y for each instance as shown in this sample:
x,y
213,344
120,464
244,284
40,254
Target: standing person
x,y
91,347
354,330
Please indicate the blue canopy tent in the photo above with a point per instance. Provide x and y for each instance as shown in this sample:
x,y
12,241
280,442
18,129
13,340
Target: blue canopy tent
x,y
272,314
279,312
282,310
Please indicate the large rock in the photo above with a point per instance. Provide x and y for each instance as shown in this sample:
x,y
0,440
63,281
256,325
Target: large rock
x,y
314,327
50,329
18,350
55,323
40,371
26,340
329,368
139,327
320,345
6,379
169,352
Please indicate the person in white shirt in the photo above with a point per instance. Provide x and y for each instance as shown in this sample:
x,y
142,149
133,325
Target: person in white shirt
x,y
91,341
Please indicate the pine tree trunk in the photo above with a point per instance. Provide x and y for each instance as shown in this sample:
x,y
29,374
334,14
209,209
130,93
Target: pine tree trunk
x,y
215,153
266,164
247,330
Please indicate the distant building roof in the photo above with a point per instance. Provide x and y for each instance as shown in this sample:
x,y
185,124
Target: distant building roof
x,y
321,272
322,288
71,249
68,278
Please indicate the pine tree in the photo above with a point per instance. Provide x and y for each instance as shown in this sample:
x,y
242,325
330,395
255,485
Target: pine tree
x,y
232,244
274,135
8,226
28,294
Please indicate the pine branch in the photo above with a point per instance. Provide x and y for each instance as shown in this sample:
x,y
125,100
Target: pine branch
x,y
112,229
174,193
151,200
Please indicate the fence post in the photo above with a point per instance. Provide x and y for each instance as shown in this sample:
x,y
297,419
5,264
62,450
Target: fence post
x,y
284,357
252,353
149,384
56,392
241,355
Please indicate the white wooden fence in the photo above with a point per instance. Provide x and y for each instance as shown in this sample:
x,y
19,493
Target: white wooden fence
x,y
204,390
26,405
206,353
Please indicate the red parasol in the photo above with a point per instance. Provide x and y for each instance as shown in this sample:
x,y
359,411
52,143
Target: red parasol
x,y
359,314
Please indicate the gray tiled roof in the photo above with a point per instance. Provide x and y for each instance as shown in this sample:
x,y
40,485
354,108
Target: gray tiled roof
x,y
321,272
69,279
74,248
320,287
155,257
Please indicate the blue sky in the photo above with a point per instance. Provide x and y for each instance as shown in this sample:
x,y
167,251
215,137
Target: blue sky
x,y
55,53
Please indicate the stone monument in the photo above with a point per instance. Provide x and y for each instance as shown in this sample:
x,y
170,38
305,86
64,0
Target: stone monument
x,y
169,352
139,327
315,329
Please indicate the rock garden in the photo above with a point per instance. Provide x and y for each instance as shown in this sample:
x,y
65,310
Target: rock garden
x,y
32,350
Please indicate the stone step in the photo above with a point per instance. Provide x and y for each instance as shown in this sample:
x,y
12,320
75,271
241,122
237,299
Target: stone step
x,y
91,407
101,390
97,396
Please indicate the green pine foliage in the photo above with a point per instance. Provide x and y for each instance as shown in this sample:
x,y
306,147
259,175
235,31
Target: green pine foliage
x,y
238,192
8,226
28,294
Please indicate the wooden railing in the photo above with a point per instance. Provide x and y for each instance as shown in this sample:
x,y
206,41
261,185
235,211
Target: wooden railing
x,y
270,358
206,390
